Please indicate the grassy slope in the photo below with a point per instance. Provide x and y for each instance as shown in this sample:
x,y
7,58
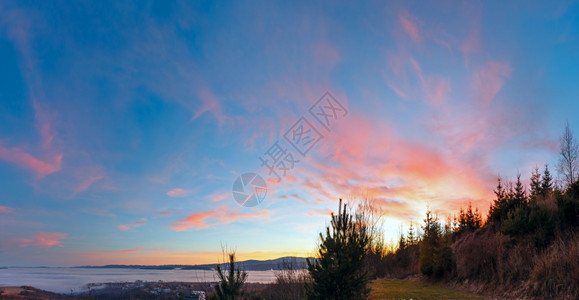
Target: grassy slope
x,y
414,289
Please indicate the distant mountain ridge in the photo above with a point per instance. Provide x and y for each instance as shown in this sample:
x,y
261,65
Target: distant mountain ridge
x,y
248,265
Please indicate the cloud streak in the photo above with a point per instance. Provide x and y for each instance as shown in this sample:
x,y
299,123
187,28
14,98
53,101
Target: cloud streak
x,y
221,215
6,210
136,224
42,240
178,193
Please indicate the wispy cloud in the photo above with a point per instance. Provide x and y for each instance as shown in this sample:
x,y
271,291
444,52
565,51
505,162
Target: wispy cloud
x,y
24,159
409,25
179,192
163,214
42,240
133,225
221,215
489,80
6,210
211,104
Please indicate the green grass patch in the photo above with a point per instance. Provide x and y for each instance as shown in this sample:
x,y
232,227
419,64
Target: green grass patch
x,y
414,289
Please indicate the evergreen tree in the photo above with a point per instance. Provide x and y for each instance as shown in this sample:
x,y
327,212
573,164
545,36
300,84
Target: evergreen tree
x,y
338,271
520,194
501,195
536,189
412,238
230,283
469,220
402,243
547,182
434,254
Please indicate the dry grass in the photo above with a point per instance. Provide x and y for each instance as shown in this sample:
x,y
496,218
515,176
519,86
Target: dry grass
x,y
415,289
556,271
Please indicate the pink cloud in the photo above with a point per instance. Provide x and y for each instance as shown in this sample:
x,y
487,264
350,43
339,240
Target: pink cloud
x,y
325,54
219,196
436,89
470,46
6,210
409,25
178,192
294,196
130,226
163,214
43,240
489,79
404,174
53,159
407,79
211,104
21,158
199,220
93,175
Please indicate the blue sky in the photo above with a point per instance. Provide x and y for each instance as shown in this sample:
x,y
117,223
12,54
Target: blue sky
x,y
123,125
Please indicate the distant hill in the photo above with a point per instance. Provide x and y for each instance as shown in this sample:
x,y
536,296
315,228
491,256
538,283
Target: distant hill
x,y
249,265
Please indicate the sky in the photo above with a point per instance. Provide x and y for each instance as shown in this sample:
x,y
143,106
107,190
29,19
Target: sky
x,y
124,125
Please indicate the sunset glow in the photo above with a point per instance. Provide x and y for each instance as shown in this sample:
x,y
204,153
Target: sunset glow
x,y
123,126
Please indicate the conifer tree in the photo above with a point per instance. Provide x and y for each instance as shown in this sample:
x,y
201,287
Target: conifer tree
x,y
535,183
469,220
230,281
501,196
434,254
520,194
412,237
338,270
547,182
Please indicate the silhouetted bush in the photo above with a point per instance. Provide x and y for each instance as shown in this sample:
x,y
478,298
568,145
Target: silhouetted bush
x,y
568,204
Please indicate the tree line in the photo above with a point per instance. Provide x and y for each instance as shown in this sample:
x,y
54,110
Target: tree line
x,y
527,246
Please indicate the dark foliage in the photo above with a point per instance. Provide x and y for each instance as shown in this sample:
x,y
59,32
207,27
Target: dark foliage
x,y
338,272
230,281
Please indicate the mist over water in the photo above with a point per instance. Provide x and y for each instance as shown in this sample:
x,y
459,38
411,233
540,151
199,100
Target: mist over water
x,y
62,280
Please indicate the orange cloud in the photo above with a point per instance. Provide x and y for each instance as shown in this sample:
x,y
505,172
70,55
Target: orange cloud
x,y
370,160
6,210
43,240
177,192
136,224
199,220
